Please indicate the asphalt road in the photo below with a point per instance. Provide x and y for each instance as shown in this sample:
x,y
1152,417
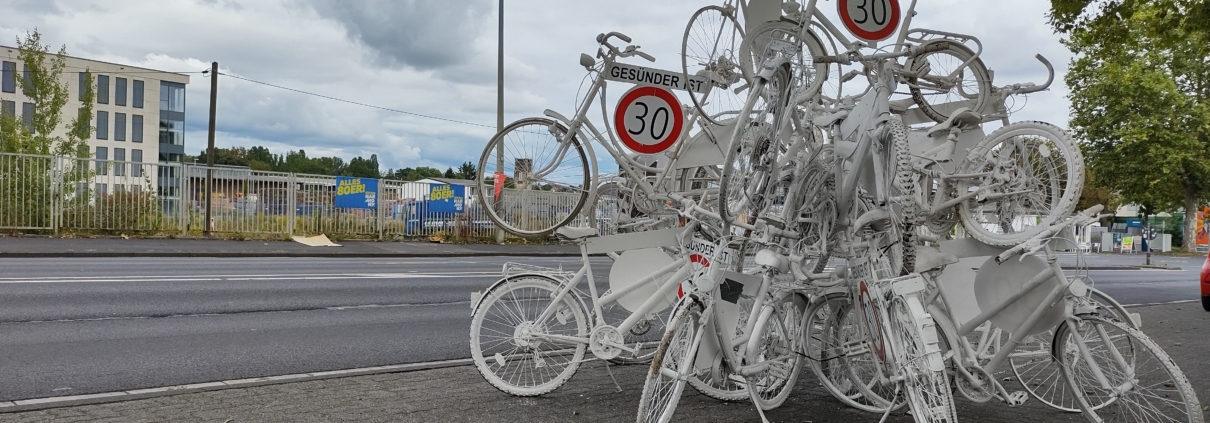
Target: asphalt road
x,y
76,326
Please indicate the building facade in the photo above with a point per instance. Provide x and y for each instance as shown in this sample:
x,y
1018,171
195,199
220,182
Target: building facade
x,y
130,125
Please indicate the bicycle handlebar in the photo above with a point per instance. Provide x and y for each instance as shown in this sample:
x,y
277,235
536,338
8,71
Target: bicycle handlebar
x,y
1036,243
1030,87
602,38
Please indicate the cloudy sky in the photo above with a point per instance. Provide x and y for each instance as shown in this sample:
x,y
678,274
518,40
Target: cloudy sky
x,y
432,57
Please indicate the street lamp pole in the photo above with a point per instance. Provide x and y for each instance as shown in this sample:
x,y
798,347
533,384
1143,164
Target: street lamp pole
x,y
499,108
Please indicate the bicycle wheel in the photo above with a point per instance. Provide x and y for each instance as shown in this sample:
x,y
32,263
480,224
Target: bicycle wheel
x,y
848,374
927,386
752,152
711,375
905,187
709,50
934,86
672,365
781,38
1144,384
545,182
777,345
814,213
1036,369
1033,175
508,344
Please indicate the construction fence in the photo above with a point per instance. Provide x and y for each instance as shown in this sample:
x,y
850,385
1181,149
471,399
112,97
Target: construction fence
x,y
55,194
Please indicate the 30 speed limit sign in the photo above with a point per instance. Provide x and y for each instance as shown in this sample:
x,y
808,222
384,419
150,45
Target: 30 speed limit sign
x,y
870,20
648,119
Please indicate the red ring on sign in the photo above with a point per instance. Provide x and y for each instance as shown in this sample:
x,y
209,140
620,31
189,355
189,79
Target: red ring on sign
x,y
882,34
619,119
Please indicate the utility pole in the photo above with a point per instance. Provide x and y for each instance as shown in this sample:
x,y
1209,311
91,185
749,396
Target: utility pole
x,y
499,110
210,145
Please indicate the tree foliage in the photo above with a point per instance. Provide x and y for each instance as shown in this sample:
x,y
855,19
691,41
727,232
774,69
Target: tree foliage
x,y
43,85
1140,96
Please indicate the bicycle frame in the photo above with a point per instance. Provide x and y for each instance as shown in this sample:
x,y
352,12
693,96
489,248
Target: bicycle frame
x,y
579,123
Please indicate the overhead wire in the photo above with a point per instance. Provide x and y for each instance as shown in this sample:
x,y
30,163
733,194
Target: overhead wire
x,y
358,103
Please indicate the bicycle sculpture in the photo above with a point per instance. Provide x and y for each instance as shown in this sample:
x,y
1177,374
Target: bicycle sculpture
x,y
880,240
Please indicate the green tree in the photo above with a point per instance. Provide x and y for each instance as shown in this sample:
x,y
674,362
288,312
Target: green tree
x,y
44,87
1140,97
466,171
449,173
28,184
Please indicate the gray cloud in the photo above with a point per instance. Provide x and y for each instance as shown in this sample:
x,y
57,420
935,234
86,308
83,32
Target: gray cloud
x,y
423,34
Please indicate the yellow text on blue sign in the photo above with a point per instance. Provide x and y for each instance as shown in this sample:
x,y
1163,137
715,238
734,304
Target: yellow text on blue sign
x,y
441,192
350,186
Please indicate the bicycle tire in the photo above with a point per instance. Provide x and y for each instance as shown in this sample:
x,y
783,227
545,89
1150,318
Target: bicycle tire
x,y
905,184
812,211
809,76
541,203
1176,401
827,326
1033,171
666,378
752,151
1037,371
708,50
977,89
929,396
502,328
778,343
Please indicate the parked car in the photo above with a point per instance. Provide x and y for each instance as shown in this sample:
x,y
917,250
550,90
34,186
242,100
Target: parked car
x,y
1206,283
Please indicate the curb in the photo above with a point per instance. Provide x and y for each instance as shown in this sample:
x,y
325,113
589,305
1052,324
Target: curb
x,y
137,394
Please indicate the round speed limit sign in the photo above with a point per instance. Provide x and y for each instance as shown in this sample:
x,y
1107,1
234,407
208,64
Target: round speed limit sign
x,y
648,119
870,20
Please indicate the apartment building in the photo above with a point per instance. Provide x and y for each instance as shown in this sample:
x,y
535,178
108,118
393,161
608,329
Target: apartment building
x,y
131,127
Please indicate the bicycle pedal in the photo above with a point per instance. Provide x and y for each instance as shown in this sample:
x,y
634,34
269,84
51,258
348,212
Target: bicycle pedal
x,y
1016,398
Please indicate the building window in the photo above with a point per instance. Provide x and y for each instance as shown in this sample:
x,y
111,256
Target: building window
x,y
8,77
136,160
103,89
83,83
25,74
27,116
119,127
172,97
102,157
172,132
102,125
119,91
137,93
119,159
9,108
102,190
136,128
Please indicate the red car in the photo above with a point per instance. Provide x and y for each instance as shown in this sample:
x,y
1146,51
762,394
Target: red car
x,y
1206,283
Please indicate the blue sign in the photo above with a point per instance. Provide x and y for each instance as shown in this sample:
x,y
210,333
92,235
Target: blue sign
x,y
446,198
1134,223
356,193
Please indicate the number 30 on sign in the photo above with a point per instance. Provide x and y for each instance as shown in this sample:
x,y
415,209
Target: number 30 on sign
x,y
870,20
648,119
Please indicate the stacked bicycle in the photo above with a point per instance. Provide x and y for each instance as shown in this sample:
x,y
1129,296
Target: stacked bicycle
x,y
796,225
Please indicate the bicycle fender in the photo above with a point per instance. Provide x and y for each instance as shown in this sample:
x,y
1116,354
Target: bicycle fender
x,y
478,297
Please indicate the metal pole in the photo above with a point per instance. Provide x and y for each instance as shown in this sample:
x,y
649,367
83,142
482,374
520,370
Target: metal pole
x,y
499,109
210,144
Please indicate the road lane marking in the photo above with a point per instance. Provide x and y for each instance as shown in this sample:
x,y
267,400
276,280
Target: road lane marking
x,y
1165,303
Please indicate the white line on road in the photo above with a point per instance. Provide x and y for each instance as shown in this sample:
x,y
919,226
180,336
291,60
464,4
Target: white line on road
x,y
1151,304
322,276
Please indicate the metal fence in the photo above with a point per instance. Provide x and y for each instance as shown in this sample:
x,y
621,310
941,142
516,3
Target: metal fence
x,y
54,194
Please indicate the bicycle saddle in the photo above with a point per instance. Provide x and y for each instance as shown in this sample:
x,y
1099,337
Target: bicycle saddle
x,y
963,118
575,233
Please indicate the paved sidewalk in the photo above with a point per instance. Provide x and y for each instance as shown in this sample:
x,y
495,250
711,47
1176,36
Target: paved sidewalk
x,y
28,247
459,394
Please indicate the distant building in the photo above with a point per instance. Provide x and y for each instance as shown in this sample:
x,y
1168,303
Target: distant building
x,y
127,128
